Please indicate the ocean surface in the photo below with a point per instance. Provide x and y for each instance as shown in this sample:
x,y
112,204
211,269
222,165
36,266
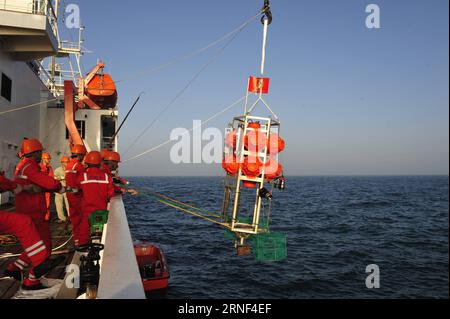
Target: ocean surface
x,y
335,227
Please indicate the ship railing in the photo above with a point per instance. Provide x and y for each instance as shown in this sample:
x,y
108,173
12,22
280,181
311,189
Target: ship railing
x,y
40,7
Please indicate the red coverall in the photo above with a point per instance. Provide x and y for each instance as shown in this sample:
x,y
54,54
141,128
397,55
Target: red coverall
x,y
73,170
23,228
117,188
97,189
28,172
48,170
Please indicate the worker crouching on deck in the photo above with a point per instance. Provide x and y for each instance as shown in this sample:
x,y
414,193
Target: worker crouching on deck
x,y
110,165
96,188
23,228
28,174
74,169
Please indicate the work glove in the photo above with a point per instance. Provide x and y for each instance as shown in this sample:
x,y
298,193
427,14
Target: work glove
x,y
18,189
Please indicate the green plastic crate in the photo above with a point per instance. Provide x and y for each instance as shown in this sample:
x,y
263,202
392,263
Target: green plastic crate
x,y
97,221
270,247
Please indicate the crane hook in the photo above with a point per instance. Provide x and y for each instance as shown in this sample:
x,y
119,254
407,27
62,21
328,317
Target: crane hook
x,y
267,14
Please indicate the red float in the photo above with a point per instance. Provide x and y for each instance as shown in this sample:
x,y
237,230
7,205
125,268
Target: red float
x,y
273,169
275,144
230,139
231,164
255,140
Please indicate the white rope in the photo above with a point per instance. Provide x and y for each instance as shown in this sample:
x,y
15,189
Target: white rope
x,y
180,93
26,107
9,255
170,140
191,54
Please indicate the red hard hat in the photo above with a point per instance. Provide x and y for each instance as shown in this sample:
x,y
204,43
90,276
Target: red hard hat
x,y
31,146
112,156
93,158
65,159
46,156
79,149
104,152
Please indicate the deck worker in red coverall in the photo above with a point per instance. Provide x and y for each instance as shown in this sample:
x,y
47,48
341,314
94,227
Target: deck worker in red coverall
x,y
96,189
110,165
74,169
47,168
23,228
28,174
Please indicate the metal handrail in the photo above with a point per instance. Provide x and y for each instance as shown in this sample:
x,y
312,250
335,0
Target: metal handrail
x,y
39,7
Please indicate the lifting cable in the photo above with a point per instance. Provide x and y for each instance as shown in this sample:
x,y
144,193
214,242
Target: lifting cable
x,y
180,93
186,208
191,54
187,132
26,107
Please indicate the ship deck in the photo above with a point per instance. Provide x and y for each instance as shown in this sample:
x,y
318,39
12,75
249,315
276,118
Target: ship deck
x,y
60,234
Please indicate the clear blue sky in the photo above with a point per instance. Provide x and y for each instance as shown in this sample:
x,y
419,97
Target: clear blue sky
x,y
352,101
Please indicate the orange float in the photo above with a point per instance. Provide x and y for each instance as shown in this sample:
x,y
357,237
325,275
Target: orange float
x,y
231,164
273,169
230,139
255,140
251,168
275,144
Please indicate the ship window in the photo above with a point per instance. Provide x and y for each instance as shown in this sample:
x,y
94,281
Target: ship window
x,y
108,130
6,87
81,127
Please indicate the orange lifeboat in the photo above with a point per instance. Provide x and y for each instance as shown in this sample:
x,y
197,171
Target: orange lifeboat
x,y
152,267
97,90
102,91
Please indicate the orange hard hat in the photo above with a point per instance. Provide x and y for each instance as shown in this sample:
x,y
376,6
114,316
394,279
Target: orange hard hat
x,y
112,156
79,149
65,159
93,158
46,156
104,152
31,146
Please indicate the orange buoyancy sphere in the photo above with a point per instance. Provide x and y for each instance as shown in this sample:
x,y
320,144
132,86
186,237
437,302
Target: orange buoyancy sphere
x,y
255,140
230,139
273,169
275,144
231,164
252,166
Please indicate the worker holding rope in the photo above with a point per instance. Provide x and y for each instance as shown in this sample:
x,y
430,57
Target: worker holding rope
x,y
110,165
30,206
